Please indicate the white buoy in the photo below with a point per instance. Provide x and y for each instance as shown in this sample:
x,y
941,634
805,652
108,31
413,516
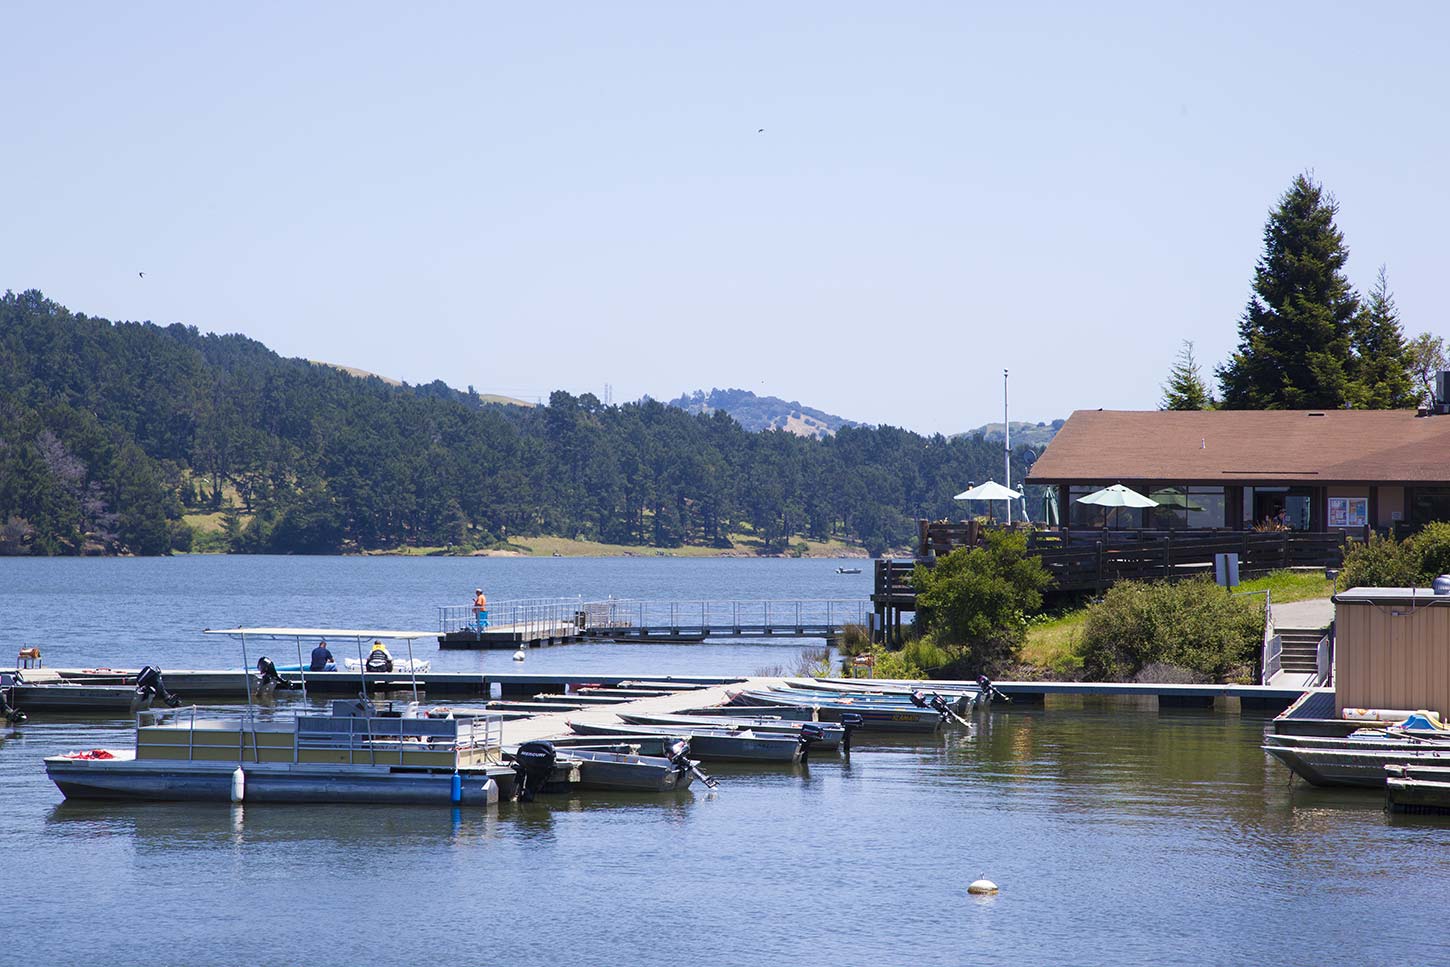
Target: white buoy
x,y
239,785
982,887
519,655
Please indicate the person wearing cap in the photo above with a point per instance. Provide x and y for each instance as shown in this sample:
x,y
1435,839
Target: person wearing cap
x,y
480,609
321,658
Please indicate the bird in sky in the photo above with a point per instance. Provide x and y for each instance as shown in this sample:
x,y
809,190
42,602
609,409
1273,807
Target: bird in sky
x,y
141,274
760,130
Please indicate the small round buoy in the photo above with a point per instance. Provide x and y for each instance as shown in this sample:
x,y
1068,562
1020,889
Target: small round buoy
x,y
982,887
519,655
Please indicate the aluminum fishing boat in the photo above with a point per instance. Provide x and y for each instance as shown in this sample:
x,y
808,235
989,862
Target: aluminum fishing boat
x,y
714,745
830,739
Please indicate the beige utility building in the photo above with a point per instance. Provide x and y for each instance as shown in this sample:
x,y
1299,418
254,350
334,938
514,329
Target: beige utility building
x,y
1392,650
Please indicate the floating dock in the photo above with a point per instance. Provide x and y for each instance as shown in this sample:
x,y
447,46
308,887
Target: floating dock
x,y
232,685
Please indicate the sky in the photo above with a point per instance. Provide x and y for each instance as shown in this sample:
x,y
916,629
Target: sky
x,y
529,197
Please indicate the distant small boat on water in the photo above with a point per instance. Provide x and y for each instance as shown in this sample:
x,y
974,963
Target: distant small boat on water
x,y
848,570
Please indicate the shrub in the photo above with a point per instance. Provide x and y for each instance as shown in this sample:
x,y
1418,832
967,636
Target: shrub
x,y
919,658
976,601
1430,551
1195,625
1382,562
854,640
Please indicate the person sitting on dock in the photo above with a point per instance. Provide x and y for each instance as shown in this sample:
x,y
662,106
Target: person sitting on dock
x,y
480,609
379,660
322,658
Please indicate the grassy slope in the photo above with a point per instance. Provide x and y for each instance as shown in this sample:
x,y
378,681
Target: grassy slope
x,y
1052,642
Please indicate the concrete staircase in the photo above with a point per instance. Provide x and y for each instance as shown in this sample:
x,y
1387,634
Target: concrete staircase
x,y
1300,649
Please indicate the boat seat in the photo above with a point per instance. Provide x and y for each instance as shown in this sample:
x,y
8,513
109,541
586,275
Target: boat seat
x,y
29,658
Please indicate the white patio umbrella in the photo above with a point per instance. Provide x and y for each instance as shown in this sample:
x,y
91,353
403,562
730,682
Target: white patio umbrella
x,y
1117,496
991,490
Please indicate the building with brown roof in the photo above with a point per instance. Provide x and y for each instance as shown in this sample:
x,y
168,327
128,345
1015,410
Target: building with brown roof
x,y
1315,470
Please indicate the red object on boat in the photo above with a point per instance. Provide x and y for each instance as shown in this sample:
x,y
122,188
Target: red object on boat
x,y
93,754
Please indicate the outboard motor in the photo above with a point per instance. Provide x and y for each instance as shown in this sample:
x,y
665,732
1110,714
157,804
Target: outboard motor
x,y
850,722
989,692
149,686
678,752
379,662
918,698
268,678
9,713
810,732
533,764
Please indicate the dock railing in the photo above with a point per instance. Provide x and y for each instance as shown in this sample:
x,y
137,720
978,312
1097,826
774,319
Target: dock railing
x,y
532,617
727,617
382,739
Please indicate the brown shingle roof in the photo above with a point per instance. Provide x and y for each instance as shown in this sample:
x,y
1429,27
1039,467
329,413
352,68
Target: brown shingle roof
x,y
1248,446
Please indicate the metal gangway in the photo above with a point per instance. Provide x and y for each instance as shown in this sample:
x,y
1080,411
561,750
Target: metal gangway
x,y
526,618
627,618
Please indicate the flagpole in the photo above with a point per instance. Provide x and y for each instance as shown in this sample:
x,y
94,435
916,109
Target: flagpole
x,y
1007,437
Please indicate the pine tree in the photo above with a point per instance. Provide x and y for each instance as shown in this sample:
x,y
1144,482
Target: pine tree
x,y
1185,389
1294,337
1382,361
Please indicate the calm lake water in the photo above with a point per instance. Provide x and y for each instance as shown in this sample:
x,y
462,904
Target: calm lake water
x,y
1119,835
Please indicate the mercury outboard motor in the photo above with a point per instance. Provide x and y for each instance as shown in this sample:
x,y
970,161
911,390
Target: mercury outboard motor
x,y
379,662
149,686
850,722
678,752
268,678
810,732
533,764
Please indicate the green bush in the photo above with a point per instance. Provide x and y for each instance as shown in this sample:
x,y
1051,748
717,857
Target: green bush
x,y
976,601
1382,562
1430,551
1194,625
919,658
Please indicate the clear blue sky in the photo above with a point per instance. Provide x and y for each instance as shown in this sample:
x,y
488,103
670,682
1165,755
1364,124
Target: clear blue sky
x,y
531,196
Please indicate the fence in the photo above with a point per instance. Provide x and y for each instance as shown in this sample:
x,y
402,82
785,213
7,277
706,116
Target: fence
x,y
725,617
531,617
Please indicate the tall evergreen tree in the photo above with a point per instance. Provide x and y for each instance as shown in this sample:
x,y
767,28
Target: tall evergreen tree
x,y
1381,357
1185,389
1294,337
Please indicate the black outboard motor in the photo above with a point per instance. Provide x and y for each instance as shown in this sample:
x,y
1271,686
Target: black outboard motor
x,y
379,662
850,722
678,752
533,764
810,732
269,678
149,685
9,713
989,692
918,698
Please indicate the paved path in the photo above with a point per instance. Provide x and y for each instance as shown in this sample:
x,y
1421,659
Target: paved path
x,y
1314,613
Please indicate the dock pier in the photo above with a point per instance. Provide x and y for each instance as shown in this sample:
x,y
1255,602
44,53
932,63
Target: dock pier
x,y
556,621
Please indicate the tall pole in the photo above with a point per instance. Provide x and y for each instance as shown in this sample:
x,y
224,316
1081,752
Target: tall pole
x,y
1007,437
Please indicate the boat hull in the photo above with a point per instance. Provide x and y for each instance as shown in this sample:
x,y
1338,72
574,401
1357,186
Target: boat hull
x,y
186,781
710,746
1340,766
830,740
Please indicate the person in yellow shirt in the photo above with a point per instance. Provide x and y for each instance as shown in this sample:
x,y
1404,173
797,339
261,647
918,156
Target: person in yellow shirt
x,y
480,609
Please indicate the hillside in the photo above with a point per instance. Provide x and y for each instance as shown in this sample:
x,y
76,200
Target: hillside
x,y
758,413
132,438
1023,434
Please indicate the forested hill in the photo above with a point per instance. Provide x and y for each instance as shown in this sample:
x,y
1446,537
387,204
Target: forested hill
x,y
110,433
758,413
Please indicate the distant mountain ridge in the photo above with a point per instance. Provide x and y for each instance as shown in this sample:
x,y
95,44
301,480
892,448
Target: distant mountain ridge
x,y
1023,434
759,413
